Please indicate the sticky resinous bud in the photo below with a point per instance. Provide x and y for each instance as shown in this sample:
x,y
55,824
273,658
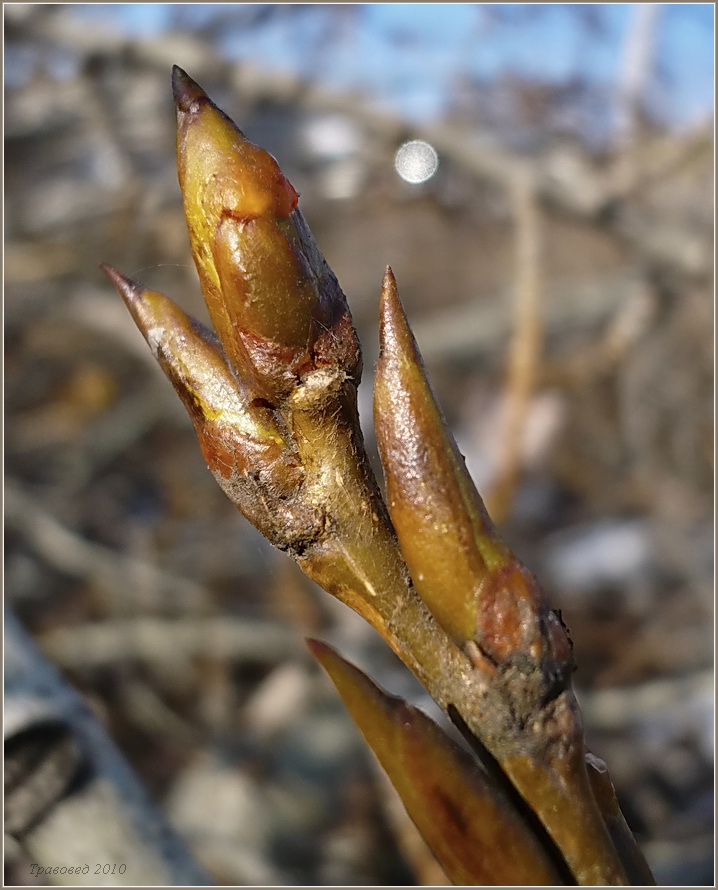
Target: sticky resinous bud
x,y
245,443
274,302
480,593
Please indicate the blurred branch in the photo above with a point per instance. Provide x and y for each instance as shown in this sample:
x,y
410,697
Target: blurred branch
x,y
71,800
524,351
168,643
650,162
570,303
636,69
622,331
652,702
72,554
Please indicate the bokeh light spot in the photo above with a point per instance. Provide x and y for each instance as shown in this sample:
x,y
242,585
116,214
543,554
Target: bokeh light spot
x,y
416,161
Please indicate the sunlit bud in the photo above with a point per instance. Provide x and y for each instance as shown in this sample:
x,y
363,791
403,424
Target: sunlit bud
x,y
445,534
241,442
271,297
477,590
471,827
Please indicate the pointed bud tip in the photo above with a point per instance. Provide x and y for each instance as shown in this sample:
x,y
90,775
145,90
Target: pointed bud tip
x,y
129,289
393,323
389,281
188,94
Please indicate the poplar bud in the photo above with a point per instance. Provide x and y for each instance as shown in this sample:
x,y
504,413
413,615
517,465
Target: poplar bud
x,y
481,594
245,444
275,304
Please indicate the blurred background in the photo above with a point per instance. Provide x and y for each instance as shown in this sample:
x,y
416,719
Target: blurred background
x,y
551,231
